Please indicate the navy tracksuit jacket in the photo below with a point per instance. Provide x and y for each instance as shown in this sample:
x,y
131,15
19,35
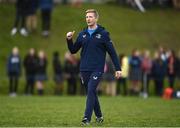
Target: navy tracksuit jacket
x,y
93,54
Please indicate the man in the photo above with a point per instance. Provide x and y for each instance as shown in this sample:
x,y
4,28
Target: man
x,y
94,41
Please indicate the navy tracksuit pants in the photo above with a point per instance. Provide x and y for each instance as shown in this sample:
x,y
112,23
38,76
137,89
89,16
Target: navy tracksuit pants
x,y
91,80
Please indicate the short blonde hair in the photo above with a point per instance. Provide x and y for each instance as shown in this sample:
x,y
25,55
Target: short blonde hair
x,y
96,14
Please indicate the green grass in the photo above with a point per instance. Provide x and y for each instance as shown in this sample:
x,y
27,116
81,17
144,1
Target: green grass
x,y
68,111
128,28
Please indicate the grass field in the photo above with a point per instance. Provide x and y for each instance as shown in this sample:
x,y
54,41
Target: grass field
x,y
68,111
128,28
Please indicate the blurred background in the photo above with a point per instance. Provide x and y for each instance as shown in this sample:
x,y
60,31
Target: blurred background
x,y
34,58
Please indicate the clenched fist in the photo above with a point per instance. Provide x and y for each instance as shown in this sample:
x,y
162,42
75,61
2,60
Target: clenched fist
x,y
69,35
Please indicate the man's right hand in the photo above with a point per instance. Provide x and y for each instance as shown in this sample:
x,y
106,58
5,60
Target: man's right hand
x,y
69,35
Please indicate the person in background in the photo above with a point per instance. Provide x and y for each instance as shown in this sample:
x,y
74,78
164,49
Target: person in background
x,y
135,72
77,3
176,4
122,81
21,12
71,67
14,71
58,76
159,69
171,68
109,78
30,65
46,7
146,66
41,75
162,53
178,66
31,20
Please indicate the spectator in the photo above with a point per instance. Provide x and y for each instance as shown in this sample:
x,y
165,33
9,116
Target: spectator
x,y
162,53
31,20
21,6
121,1
122,81
158,73
71,68
165,3
109,78
30,63
176,4
77,3
58,77
171,68
41,72
64,2
178,66
135,74
146,70
46,7
14,71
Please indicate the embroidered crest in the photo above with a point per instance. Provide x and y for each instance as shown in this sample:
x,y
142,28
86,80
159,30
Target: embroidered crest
x,y
95,77
84,36
98,36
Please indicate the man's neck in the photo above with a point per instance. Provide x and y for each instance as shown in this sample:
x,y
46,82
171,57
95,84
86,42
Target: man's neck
x,y
92,27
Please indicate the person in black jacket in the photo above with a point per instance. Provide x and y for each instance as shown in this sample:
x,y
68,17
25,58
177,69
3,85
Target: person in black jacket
x,y
159,68
21,12
71,68
172,68
30,63
178,67
58,76
41,74
14,71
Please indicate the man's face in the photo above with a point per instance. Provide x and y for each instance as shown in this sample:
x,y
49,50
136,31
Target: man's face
x,y
91,20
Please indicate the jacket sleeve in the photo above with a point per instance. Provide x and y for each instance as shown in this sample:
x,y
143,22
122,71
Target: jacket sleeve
x,y
74,47
111,51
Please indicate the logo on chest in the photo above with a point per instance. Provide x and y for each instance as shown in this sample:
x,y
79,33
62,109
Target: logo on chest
x,y
98,36
84,36
95,77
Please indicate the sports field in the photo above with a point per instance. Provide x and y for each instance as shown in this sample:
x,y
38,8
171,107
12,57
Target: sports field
x,y
128,28
68,111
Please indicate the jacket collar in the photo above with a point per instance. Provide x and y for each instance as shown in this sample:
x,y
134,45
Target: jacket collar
x,y
99,29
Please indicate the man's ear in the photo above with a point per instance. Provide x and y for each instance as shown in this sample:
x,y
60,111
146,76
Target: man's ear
x,y
96,19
